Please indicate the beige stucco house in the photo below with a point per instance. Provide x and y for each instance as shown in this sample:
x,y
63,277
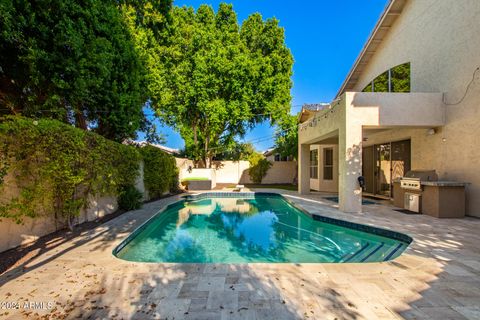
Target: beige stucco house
x,y
410,101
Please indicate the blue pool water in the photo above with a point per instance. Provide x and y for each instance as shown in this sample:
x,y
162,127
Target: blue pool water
x,y
257,228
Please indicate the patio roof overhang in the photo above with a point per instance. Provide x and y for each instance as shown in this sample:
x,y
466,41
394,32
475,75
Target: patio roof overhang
x,y
375,110
347,118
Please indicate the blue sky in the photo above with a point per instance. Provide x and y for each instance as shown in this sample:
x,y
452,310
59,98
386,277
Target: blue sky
x,y
325,38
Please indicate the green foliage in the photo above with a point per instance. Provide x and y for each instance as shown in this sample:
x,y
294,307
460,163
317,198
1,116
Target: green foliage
x,y
130,198
74,61
160,172
258,167
235,151
57,168
212,79
286,136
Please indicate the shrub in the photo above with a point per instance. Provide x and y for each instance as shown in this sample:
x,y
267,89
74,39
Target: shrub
x,y
160,172
258,167
56,168
130,198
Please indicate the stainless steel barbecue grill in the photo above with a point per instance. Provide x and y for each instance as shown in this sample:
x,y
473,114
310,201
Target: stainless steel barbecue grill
x,y
413,179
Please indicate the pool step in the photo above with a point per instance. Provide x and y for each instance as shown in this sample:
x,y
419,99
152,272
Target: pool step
x,y
371,253
394,250
350,257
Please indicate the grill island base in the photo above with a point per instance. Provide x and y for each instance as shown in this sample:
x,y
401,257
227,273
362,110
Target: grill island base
x,y
440,199
443,199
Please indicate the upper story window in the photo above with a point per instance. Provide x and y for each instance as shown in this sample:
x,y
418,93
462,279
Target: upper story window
x,y
396,79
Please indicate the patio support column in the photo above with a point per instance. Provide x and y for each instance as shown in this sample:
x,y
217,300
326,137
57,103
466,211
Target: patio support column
x,y
303,168
350,167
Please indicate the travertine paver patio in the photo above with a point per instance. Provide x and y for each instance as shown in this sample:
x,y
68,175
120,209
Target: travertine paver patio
x,y
438,277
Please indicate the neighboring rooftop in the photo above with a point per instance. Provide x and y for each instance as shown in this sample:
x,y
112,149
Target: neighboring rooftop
x,y
308,110
269,152
168,150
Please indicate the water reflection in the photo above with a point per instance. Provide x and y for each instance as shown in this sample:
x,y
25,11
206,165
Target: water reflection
x,y
233,230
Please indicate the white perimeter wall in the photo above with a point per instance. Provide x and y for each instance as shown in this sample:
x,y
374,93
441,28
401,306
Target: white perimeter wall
x,y
13,234
236,172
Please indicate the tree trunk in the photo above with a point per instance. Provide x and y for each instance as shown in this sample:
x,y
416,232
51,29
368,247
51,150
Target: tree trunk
x,y
195,141
80,119
70,223
206,157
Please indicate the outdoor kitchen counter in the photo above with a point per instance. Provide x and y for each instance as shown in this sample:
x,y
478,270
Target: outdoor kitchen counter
x,y
444,183
440,199
443,199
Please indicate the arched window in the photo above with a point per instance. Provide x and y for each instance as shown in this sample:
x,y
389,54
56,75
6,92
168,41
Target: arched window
x,y
396,79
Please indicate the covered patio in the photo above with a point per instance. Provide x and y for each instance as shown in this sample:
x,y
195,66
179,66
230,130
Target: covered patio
x,y
345,124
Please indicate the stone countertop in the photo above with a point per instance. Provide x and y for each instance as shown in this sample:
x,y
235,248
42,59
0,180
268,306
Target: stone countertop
x,y
439,183
444,183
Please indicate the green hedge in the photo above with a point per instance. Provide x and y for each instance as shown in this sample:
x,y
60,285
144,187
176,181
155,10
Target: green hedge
x,y
56,167
160,172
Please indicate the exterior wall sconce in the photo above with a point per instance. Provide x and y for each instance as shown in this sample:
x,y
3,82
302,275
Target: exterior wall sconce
x,y
431,132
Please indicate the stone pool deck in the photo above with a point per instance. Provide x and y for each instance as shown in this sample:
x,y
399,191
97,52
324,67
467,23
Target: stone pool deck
x,y
437,277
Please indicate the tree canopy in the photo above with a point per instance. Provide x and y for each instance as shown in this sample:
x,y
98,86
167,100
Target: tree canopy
x,y
213,79
73,61
286,136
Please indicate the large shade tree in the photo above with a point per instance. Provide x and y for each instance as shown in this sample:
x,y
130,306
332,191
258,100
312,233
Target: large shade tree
x,y
212,79
286,136
75,61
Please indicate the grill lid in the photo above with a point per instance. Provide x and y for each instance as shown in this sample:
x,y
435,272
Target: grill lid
x,y
422,175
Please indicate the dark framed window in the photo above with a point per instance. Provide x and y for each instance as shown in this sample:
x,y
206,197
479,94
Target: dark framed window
x,y
314,164
328,164
400,78
396,79
279,157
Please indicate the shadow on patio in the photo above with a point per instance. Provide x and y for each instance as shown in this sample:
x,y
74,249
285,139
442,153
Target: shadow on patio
x,y
437,278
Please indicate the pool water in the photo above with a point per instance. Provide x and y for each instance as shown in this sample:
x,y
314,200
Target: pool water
x,y
258,228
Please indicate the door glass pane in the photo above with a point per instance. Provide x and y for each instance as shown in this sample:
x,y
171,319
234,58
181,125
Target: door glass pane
x,y
383,172
314,164
400,158
368,168
328,164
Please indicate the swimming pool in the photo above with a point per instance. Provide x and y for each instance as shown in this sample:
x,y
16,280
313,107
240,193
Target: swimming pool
x,y
254,227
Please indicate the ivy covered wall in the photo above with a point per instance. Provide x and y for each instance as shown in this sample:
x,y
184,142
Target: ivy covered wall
x,y
48,168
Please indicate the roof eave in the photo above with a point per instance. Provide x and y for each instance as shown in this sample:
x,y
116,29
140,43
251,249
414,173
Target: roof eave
x,y
384,24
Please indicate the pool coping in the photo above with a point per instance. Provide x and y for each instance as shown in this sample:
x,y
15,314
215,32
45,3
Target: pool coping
x,y
395,235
